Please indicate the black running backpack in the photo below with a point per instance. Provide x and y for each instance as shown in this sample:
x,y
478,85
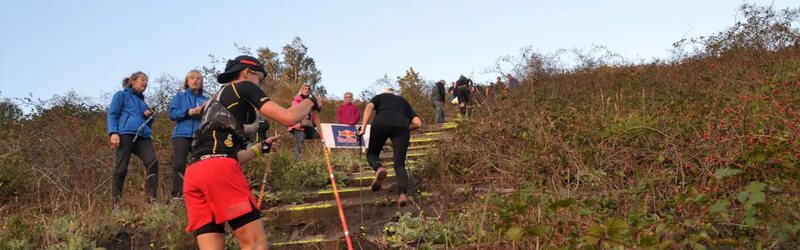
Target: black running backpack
x,y
216,117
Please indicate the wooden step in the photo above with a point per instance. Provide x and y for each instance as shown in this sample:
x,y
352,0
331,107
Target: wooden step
x,y
327,210
437,127
385,157
364,192
310,242
390,164
365,178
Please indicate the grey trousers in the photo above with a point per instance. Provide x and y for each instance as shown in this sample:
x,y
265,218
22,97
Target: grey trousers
x,y
143,148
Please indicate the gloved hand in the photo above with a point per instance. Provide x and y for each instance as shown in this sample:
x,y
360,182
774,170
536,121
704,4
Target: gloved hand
x,y
261,132
270,143
317,106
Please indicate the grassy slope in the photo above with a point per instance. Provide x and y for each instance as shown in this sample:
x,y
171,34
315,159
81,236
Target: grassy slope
x,y
702,152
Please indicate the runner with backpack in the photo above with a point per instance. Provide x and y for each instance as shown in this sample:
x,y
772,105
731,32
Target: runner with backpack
x,y
215,188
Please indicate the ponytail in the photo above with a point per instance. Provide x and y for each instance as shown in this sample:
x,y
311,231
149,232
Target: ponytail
x,y
127,82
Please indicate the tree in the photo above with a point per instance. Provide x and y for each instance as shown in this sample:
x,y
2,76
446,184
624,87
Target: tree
x,y
377,87
410,84
9,111
299,68
272,65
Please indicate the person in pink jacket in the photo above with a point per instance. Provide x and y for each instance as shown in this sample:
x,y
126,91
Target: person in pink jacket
x,y
306,128
348,112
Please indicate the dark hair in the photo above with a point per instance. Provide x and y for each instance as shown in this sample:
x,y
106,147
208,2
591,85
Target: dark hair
x,y
128,81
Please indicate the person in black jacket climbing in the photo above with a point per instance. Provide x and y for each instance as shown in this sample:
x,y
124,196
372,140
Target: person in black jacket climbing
x,y
394,119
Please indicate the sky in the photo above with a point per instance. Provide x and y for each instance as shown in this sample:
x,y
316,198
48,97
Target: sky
x,y
51,47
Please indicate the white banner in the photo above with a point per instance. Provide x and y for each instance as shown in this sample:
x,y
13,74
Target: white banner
x,y
343,136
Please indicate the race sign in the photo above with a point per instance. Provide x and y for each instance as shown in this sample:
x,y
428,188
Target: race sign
x,y
343,136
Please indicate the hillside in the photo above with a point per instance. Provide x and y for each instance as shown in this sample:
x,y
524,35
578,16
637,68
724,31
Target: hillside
x,y
697,151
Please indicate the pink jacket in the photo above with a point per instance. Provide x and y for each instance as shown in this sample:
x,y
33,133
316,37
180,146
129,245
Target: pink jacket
x,y
297,99
348,113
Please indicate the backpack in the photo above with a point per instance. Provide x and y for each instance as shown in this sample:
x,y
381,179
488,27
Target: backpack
x,y
217,117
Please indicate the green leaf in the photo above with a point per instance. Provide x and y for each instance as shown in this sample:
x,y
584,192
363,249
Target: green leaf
x,y
594,232
750,221
720,206
756,197
758,156
728,242
725,172
755,186
648,241
563,203
514,233
616,228
742,197
538,230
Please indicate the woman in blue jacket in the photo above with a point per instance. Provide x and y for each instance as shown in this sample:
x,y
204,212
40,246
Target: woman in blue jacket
x,y
129,121
185,110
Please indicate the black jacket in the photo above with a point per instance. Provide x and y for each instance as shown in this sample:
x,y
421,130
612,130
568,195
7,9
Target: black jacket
x,y
438,92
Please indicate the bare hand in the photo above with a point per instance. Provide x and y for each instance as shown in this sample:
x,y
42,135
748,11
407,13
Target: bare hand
x,y
275,141
362,130
195,111
114,141
147,113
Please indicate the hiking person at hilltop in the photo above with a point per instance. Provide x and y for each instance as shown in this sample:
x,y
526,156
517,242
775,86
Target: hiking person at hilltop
x,y
128,124
348,113
462,92
306,129
513,83
437,97
394,119
185,110
215,188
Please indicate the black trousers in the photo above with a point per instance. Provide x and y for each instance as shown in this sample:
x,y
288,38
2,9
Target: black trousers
x,y
400,137
142,148
181,147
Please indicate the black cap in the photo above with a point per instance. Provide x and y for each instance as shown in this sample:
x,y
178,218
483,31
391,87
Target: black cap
x,y
233,67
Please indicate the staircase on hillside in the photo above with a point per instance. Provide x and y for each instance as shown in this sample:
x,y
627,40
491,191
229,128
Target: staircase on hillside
x,y
315,223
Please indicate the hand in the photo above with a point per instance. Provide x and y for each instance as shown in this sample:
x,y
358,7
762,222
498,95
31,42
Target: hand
x,y
271,143
261,131
114,141
361,130
147,113
317,104
195,111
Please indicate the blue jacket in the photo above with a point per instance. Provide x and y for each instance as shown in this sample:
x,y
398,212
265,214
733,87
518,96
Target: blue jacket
x,y
126,114
185,125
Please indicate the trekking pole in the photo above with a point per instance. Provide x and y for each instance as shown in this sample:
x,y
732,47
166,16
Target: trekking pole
x,y
139,130
360,192
338,200
267,168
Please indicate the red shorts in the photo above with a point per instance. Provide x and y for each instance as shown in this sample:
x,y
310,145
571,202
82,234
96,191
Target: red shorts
x,y
215,189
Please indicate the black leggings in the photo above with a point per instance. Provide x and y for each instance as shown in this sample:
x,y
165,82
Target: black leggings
x,y
180,150
400,137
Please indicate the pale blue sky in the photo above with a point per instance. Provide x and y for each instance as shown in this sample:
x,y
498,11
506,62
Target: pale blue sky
x,y
51,47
